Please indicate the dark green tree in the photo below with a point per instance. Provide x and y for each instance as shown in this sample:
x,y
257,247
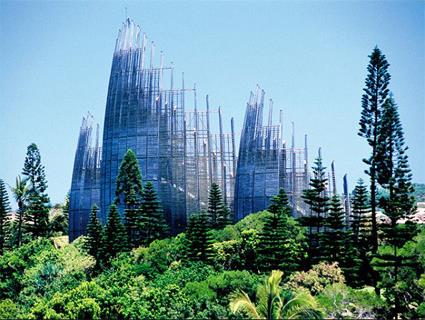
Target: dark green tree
x,y
318,202
93,243
129,195
334,237
392,260
281,239
361,224
218,213
198,238
114,238
373,99
20,193
38,203
152,222
4,217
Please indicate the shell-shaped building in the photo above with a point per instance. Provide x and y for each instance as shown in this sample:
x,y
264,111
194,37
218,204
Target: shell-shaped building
x,y
180,152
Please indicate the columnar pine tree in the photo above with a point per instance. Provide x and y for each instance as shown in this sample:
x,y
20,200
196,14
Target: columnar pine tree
x,y
318,201
93,243
361,224
152,221
335,237
360,215
20,193
218,214
399,205
280,241
114,239
198,238
373,99
4,217
37,211
129,194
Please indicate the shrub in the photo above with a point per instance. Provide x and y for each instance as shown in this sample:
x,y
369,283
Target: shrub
x,y
316,279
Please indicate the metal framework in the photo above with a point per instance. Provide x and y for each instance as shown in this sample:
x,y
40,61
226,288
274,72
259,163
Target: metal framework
x,y
266,164
179,152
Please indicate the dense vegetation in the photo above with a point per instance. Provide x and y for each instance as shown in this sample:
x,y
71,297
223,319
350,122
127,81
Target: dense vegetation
x,y
268,265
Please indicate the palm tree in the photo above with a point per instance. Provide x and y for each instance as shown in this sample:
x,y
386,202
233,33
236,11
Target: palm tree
x,y
20,193
274,303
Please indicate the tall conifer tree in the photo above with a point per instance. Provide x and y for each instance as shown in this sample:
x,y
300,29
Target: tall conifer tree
x,y
217,212
114,239
198,238
129,195
37,211
373,99
280,241
152,220
4,217
318,201
335,237
361,224
93,242
391,260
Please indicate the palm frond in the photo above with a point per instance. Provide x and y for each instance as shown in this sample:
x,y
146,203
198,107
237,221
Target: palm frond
x,y
240,302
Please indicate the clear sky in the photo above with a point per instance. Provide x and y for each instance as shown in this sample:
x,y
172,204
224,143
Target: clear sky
x,y
310,57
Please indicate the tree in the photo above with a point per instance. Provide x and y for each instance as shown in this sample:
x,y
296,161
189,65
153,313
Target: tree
x,y
198,238
37,212
334,238
274,303
392,260
58,222
373,99
281,239
218,213
129,194
114,238
318,201
4,216
361,234
152,222
93,243
20,193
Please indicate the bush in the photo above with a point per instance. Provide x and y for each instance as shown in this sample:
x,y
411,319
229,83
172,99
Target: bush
x,y
316,279
340,301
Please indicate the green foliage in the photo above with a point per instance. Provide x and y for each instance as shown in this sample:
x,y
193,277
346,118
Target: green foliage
x,y
274,303
218,213
4,217
14,263
152,221
334,237
161,254
341,302
318,201
114,238
128,194
199,238
281,241
20,193
38,203
93,240
316,279
375,95
8,309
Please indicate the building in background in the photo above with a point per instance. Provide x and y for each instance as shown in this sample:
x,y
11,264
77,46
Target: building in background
x,y
180,152
265,162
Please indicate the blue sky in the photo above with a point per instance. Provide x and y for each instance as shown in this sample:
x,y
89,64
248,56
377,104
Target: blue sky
x,y
310,57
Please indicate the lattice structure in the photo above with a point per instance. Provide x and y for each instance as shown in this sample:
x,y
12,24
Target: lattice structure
x,y
265,164
177,151
85,185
